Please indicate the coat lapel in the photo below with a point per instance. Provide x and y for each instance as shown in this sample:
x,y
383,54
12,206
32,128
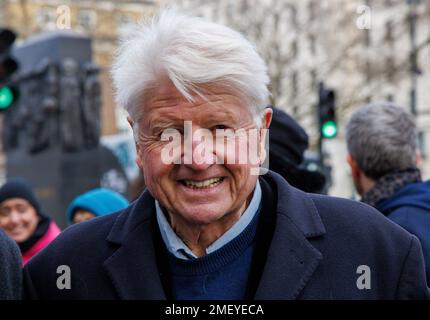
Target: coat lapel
x,y
132,267
291,259
290,264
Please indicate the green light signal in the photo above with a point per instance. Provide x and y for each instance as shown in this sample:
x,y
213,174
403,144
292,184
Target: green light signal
x,y
6,97
329,129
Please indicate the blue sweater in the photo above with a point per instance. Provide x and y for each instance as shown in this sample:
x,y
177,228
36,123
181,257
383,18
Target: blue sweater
x,y
222,274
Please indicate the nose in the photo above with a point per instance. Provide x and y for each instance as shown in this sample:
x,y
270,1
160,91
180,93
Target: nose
x,y
199,153
13,219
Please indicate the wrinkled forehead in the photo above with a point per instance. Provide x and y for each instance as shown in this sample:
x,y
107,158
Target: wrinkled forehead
x,y
212,102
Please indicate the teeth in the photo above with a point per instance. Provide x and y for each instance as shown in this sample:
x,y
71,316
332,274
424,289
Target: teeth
x,y
209,183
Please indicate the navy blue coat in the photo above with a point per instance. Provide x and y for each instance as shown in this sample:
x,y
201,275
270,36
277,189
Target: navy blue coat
x,y
10,269
318,244
410,208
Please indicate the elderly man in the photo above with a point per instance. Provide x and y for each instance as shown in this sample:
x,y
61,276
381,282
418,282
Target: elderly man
x,y
208,226
383,156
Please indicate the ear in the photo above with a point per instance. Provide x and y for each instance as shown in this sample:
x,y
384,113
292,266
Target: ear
x,y
139,160
355,170
264,130
130,121
418,157
267,118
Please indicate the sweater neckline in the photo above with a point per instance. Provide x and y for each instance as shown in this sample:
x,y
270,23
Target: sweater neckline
x,y
219,258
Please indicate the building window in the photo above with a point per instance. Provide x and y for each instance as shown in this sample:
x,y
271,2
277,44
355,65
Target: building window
x,y
389,32
312,44
293,16
422,144
123,20
312,6
294,49
294,84
390,68
87,19
46,18
314,83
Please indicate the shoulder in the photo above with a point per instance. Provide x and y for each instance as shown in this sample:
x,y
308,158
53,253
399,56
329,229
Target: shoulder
x,y
365,236
409,214
9,251
355,218
341,217
76,243
10,268
81,248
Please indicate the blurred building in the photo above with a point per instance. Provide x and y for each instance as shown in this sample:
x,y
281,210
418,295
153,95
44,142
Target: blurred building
x,y
101,20
361,49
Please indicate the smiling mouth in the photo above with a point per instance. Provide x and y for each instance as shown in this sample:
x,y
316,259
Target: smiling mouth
x,y
204,184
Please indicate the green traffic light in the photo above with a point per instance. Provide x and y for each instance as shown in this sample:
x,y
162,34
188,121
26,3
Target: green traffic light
x,y
6,97
329,129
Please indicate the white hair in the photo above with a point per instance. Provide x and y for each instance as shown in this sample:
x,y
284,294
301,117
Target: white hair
x,y
190,52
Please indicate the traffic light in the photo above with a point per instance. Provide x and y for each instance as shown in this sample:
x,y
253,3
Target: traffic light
x,y
8,65
327,112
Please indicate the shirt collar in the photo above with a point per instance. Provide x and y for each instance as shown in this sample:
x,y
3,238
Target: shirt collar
x,y
178,248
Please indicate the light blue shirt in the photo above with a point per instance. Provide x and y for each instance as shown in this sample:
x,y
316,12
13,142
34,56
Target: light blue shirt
x,y
177,247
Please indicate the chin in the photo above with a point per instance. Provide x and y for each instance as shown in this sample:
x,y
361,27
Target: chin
x,y
204,214
20,239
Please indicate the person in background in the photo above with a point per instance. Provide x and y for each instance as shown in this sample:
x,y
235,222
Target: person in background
x,y
95,203
10,269
382,145
22,219
288,142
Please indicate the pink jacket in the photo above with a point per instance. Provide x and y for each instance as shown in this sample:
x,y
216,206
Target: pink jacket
x,y
51,234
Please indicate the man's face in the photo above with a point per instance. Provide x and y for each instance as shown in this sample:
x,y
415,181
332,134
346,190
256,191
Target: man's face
x,y
18,219
200,192
82,215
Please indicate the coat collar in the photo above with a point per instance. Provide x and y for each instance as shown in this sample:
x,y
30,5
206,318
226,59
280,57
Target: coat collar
x,y
298,207
291,259
132,267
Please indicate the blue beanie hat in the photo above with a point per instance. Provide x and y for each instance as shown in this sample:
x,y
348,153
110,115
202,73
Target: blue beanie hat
x,y
98,201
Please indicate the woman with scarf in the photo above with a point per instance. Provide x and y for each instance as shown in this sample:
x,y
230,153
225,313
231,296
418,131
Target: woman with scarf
x,y
22,219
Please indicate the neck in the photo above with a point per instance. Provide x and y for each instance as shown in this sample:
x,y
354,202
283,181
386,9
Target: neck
x,y
366,184
199,237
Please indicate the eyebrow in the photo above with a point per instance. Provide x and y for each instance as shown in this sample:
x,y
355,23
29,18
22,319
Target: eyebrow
x,y
154,122
170,120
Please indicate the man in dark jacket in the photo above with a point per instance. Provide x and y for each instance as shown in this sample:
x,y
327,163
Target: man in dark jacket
x,y
210,225
288,142
381,140
10,269
310,247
